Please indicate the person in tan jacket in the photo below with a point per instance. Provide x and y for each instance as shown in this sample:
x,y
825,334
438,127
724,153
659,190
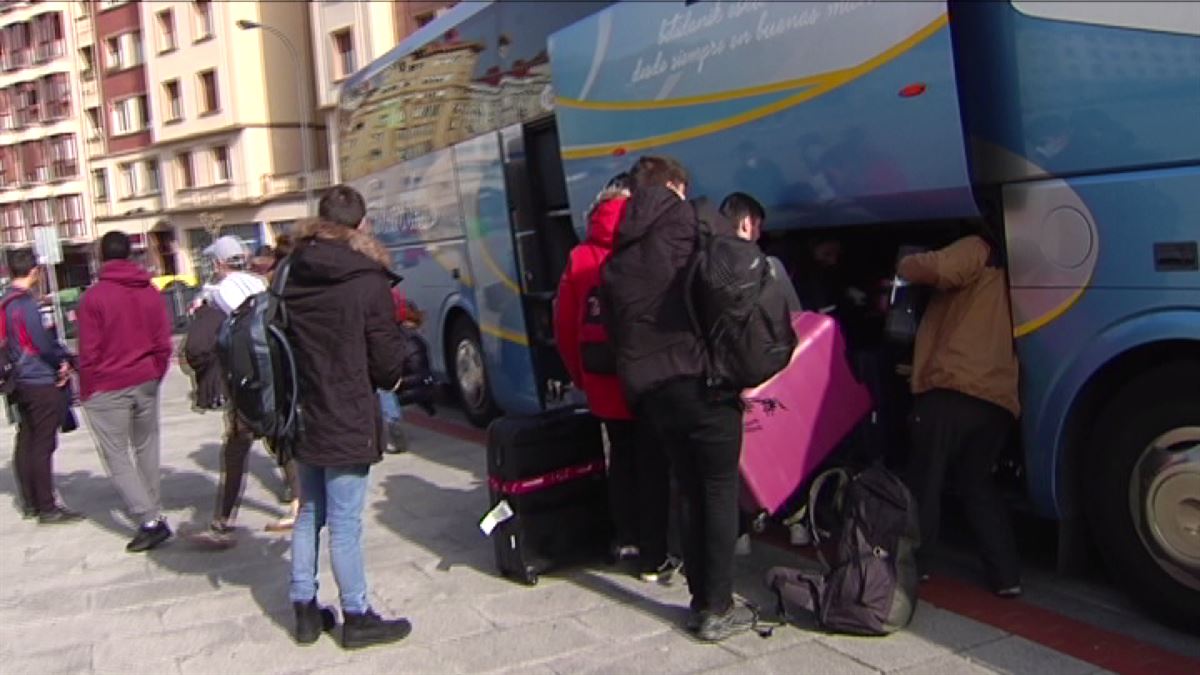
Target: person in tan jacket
x,y
965,382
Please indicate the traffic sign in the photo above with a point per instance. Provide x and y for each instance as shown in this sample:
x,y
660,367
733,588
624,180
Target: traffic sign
x,y
47,245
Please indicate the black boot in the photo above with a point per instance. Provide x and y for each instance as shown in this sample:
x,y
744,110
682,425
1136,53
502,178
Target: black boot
x,y
311,620
366,629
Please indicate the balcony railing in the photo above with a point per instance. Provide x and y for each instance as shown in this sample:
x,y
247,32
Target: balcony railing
x,y
95,146
17,235
279,184
73,229
48,51
210,195
83,30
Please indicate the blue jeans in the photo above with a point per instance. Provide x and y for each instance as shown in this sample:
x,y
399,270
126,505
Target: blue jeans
x,y
392,412
335,495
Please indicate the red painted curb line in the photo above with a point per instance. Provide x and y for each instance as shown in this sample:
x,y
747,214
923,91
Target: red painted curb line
x,y
445,427
1101,647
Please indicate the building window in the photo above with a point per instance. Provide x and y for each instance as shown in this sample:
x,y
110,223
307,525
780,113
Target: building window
x,y
56,95
202,13
129,181
64,162
344,60
124,51
87,58
153,184
210,102
172,101
100,185
187,174
6,109
69,212
130,115
48,36
166,31
95,133
223,169
33,160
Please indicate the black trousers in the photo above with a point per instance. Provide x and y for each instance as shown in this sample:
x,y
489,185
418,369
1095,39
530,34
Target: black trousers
x,y
703,439
41,410
962,435
639,489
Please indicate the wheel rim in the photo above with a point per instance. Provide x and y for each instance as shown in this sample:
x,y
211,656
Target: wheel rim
x,y
1164,498
468,370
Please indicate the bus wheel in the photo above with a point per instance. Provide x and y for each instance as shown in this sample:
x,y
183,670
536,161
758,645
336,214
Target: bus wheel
x,y
466,364
1145,503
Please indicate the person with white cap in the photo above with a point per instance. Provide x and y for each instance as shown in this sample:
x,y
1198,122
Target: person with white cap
x,y
234,284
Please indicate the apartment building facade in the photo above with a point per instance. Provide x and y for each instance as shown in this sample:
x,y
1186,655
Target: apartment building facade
x,y
42,161
347,36
202,121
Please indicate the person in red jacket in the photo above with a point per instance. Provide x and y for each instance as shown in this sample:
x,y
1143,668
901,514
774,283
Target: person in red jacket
x,y
638,471
124,352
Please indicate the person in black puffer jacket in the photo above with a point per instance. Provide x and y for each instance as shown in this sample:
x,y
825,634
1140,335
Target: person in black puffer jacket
x,y
661,363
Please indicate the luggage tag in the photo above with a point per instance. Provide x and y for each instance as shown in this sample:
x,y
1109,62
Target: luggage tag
x,y
499,513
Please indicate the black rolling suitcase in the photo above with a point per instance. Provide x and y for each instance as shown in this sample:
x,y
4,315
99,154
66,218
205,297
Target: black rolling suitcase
x,y
550,470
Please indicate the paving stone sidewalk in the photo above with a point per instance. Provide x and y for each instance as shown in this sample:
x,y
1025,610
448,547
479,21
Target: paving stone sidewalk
x,y
73,601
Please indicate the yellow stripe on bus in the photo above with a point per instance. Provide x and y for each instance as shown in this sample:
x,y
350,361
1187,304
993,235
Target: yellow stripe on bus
x,y
504,334
828,83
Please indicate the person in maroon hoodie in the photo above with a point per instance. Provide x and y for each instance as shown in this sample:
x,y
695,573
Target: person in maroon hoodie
x,y
124,353
639,480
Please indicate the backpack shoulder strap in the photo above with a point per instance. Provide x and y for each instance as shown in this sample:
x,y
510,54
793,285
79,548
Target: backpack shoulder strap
x,y
278,284
814,493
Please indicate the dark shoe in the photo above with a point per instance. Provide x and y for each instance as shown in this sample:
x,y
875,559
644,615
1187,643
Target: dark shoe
x,y
28,512
286,496
397,439
149,536
59,516
366,629
718,627
695,618
312,620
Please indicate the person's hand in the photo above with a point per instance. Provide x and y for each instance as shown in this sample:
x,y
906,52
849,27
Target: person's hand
x,y
64,374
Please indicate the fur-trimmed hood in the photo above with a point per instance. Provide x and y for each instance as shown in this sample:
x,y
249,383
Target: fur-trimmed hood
x,y
330,253
355,238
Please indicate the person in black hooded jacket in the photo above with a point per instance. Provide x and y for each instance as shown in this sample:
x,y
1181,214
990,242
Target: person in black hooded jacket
x,y
661,363
341,325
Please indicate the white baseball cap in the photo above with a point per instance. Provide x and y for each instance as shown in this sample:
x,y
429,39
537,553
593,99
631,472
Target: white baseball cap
x,y
227,248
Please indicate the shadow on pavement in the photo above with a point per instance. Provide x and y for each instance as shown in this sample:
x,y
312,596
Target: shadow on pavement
x,y
259,466
256,563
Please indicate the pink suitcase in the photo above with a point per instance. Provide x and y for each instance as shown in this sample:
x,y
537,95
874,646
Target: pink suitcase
x,y
795,420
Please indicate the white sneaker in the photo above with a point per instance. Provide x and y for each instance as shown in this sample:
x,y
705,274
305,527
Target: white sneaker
x,y
742,547
799,535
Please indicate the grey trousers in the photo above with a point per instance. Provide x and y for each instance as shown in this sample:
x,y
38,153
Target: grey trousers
x,y
119,421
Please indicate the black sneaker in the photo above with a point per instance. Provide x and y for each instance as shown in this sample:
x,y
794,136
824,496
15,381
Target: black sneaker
x,y
312,620
695,618
366,629
718,627
397,439
59,516
149,536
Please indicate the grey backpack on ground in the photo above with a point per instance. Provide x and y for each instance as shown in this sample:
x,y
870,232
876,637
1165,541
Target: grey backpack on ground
x,y
870,587
260,367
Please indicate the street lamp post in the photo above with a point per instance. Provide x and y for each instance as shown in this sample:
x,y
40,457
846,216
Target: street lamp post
x,y
302,93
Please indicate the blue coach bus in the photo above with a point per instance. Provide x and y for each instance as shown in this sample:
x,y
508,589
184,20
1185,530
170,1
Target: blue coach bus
x,y
480,142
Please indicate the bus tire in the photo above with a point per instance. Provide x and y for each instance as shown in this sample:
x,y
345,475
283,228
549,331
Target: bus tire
x,y
468,373
1145,504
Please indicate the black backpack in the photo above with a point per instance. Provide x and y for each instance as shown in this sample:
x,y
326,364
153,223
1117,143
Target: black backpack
x,y
871,586
739,309
260,367
8,367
